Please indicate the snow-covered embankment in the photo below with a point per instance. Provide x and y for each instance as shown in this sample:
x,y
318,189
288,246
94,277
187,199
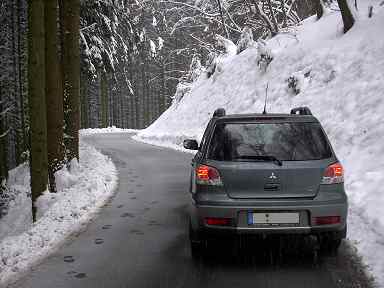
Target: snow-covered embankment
x,y
82,191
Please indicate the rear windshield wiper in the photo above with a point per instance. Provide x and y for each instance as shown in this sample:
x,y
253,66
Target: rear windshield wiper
x,y
262,158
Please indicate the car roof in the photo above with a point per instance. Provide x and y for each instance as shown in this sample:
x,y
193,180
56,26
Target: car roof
x,y
257,117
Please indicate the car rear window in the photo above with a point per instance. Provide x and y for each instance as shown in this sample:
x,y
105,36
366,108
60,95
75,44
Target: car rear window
x,y
294,141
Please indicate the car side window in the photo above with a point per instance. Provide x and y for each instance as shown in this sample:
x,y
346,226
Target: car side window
x,y
204,139
219,145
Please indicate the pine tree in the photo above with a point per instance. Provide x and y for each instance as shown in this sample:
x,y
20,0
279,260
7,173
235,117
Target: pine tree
x,y
70,21
103,99
84,101
54,93
3,142
346,14
320,7
37,100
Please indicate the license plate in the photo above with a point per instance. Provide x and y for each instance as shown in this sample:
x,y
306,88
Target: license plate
x,y
275,218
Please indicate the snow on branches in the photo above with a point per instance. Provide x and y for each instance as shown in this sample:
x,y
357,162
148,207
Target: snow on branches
x,y
228,45
246,40
264,56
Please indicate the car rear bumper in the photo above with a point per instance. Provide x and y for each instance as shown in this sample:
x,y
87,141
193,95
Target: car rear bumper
x,y
307,209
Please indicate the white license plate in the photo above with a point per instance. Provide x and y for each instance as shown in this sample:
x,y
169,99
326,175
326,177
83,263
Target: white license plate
x,y
273,218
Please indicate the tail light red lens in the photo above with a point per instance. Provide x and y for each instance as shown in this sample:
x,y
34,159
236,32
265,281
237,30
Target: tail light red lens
x,y
334,174
207,175
327,220
218,221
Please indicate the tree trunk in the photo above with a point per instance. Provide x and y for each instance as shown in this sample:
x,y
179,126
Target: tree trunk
x,y
346,14
144,95
264,18
274,22
282,7
104,99
37,106
162,93
3,142
23,73
84,101
319,5
71,74
222,19
54,94
18,128
132,97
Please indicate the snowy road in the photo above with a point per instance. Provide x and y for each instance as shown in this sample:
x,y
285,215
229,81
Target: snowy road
x,y
140,238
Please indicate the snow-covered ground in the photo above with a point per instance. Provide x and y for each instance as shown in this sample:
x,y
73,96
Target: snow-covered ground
x,y
112,129
340,77
82,191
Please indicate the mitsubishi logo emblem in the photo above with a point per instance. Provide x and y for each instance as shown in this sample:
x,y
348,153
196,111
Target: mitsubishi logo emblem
x,y
273,176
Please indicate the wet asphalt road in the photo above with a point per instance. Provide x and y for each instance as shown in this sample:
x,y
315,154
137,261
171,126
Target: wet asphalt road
x,y
140,238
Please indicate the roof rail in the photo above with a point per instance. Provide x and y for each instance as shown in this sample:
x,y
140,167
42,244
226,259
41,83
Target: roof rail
x,y
301,110
219,112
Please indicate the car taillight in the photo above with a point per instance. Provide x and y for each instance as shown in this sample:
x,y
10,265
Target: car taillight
x,y
327,220
207,175
334,174
218,221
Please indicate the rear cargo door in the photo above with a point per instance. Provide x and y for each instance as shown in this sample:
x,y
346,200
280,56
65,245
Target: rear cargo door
x,y
267,180
236,150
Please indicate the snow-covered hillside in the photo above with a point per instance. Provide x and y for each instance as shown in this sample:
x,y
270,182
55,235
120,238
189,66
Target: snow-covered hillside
x,y
340,77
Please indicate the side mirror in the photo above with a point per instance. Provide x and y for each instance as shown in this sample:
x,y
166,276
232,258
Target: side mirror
x,y
191,144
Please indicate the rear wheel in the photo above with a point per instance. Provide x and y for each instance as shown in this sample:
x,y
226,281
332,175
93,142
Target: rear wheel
x,y
196,250
335,244
196,244
332,242
331,246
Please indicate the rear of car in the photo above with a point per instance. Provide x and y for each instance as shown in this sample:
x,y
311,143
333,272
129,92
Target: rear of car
x,y
263,174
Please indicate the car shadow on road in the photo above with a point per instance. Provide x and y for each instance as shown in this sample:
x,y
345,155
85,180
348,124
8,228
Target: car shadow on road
x,y
270,252
285,254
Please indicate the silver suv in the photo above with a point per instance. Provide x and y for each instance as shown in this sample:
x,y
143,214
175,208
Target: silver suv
x,y
264,174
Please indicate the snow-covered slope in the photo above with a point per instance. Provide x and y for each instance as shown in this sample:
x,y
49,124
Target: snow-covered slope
x,y
111,129
340,77
81,192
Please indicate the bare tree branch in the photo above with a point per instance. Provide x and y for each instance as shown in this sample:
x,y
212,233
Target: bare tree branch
x,y
192,7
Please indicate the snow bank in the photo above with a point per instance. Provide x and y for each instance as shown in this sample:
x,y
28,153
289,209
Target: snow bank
x,y
112,129
82,191
18,214
340,77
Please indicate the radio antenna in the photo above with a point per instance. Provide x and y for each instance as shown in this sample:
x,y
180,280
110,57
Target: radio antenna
x,y
265,103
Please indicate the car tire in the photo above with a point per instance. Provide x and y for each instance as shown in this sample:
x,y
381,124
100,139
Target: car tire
x,y
335,244
196,250
331,244
196,244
